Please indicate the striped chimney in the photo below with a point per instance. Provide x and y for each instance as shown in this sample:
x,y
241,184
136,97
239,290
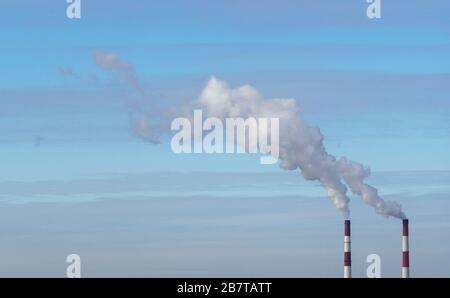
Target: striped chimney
x,y
405,250
347,250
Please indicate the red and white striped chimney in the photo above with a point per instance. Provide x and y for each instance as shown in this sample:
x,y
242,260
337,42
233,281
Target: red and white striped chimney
x,y
405,250
347,250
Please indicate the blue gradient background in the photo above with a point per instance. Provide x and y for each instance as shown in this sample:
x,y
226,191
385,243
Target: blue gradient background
x,y
378,89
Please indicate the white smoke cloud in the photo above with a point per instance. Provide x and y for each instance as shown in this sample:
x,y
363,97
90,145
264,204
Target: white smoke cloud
x,y
112,62
140,120
301,145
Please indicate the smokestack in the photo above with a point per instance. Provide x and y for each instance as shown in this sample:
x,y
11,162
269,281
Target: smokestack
x,y
405,250
347,250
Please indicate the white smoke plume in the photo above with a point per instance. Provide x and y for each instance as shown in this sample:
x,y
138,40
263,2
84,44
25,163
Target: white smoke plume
x,y
301,145
139,118
125,71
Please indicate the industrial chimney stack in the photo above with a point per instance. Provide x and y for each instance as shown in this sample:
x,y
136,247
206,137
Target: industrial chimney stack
x,y
405,250
347,251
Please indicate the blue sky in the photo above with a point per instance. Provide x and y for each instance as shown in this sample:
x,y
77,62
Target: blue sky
x,y
378,89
